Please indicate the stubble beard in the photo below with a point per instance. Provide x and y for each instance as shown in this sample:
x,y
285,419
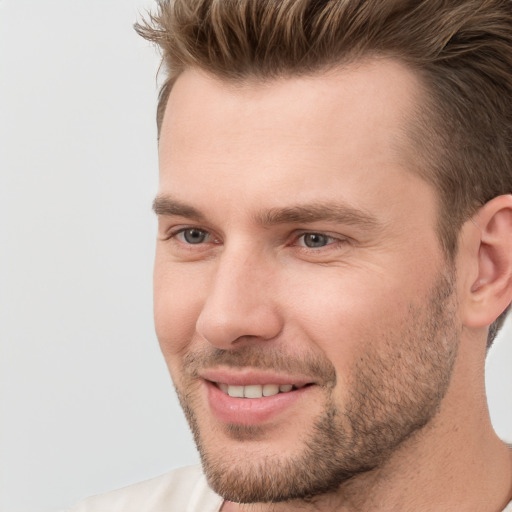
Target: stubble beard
x,y
394,394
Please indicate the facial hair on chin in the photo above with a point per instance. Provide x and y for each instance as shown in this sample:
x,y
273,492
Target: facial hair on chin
x,y
394,393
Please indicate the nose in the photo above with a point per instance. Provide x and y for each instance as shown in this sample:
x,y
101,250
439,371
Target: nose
x,y
241,302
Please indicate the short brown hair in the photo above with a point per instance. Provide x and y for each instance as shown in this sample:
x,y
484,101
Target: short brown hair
x,y
461,49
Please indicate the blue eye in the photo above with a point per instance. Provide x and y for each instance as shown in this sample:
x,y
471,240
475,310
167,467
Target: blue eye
x,y
193,236
315,240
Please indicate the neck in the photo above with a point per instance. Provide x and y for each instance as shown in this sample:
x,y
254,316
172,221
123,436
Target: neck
x,y
472,475
484,484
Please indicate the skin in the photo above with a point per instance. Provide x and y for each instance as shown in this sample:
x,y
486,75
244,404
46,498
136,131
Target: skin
x,y
233,156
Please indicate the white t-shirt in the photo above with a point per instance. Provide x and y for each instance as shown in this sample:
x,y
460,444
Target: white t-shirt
x,y
181,490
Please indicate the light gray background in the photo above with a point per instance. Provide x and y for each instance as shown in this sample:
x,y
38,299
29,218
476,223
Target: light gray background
x,y
86,403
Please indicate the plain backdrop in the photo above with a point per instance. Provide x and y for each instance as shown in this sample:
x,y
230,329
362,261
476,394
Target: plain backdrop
x,y
86,402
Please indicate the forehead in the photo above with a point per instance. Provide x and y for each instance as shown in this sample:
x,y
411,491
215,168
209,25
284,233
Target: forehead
x,y
380,89
339,130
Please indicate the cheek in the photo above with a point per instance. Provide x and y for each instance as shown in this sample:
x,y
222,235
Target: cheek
x,y
350,316
177,304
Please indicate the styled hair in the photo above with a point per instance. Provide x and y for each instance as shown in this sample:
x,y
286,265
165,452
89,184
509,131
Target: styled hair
x,y
460,49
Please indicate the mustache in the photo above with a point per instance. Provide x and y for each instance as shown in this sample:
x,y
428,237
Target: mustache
x,y
258,357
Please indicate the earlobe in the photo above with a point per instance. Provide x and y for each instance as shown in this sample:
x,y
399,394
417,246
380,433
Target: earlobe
x,y
490,292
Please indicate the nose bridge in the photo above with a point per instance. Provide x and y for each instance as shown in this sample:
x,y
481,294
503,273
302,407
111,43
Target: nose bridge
x,y
241,299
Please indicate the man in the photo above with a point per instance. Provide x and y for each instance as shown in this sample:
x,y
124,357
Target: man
x,y
334,252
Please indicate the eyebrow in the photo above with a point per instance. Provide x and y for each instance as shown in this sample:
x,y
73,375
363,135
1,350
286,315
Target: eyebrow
x,y
308,213
297,214
164,205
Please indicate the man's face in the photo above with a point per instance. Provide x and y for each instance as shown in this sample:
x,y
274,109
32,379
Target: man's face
x,y
297,249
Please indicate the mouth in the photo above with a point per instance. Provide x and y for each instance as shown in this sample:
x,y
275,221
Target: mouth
x,y
250,397
257,390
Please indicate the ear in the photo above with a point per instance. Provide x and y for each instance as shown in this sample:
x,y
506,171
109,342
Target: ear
x,y
489,246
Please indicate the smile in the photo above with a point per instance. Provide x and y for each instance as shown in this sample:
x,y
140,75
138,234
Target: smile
x,y
256,390
244,402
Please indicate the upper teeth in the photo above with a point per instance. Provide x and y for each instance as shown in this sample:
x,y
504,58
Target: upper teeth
x,y
255,390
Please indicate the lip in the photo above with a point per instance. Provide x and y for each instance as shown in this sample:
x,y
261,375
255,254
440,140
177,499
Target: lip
x,y
251,411
246,377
